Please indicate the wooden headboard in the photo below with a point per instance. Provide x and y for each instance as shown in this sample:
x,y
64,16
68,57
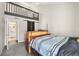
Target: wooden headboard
x,y
33,34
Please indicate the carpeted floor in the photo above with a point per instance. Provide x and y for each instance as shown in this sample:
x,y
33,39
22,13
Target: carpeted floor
x,y
15,50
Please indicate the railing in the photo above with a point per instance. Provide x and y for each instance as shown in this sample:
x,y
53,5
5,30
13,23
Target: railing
x,y
20,11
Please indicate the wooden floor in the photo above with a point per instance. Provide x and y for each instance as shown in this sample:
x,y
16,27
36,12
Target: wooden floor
x,y
16,50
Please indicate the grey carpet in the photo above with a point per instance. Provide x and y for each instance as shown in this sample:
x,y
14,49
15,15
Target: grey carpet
x,y
15,50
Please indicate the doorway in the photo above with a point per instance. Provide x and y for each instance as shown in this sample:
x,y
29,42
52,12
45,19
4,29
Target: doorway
x,y
11,31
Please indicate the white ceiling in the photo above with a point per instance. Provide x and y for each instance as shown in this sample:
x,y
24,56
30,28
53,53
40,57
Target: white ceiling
x,y
50,3
39,3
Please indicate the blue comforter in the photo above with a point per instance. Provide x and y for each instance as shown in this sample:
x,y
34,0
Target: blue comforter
x,y
48,45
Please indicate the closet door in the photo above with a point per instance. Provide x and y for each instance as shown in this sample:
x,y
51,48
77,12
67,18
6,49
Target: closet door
x,y
22,29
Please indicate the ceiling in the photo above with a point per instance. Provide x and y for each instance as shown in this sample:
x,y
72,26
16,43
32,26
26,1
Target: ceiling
x,y
50,3
39,3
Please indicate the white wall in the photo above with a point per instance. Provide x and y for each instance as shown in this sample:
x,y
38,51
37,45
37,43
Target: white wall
x,y
62,18
37,26
44,16
1,27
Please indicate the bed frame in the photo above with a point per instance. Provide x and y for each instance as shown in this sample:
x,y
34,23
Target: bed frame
x,y
32,35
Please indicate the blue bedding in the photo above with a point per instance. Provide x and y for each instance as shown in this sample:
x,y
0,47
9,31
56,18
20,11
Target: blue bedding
x,y
71,48
48,45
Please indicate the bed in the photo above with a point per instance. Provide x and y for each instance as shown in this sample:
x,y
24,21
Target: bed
x,y
42,43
